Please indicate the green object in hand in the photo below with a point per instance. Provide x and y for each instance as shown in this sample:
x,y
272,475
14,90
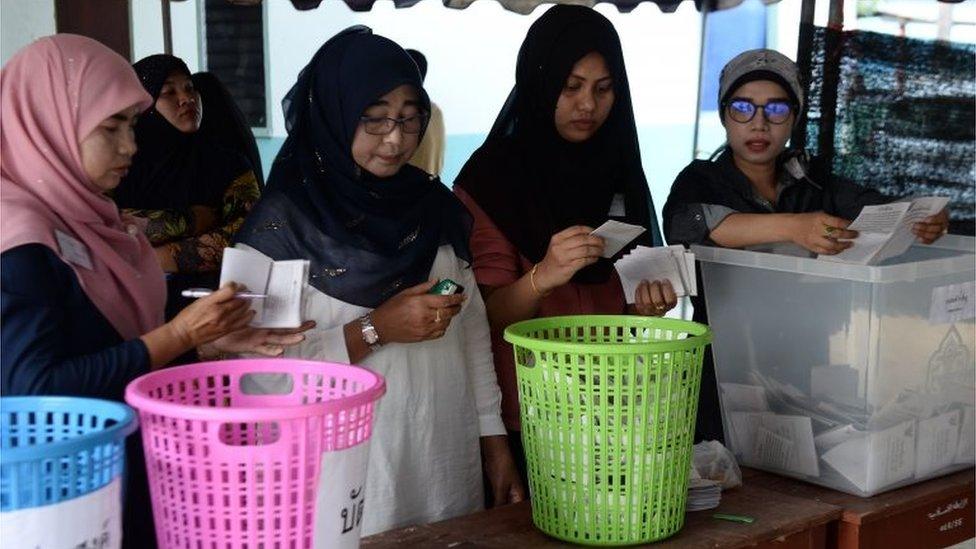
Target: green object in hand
x,y
734,518
446,287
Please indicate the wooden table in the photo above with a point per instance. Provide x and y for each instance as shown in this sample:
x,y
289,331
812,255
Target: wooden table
x,y
782,522
936,513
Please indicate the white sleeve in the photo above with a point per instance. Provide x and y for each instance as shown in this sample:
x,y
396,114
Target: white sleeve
x,y
324,342
479,360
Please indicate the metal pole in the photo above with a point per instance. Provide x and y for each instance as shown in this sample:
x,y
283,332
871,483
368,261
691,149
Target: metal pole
x,y
807,10
701,68
167,28
803,48
835,17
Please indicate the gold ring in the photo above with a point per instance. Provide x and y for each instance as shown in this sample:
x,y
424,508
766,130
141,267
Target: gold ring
x,y
437,316
828,230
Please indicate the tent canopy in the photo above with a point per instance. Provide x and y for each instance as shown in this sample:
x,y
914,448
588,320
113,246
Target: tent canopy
x,y
523,7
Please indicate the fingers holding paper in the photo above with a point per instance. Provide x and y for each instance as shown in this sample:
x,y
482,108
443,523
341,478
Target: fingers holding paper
x,y
932,228
654,298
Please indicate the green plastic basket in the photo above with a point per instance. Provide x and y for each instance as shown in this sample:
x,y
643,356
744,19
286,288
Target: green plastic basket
x,y
608,407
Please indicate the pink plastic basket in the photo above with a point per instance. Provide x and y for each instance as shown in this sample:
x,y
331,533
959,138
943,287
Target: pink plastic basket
x,y
232,469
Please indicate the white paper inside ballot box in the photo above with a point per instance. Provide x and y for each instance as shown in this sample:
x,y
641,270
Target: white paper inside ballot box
x,y
877,459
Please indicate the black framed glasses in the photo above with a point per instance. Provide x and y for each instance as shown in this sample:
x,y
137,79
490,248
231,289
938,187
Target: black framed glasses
x,y
383,125
743,110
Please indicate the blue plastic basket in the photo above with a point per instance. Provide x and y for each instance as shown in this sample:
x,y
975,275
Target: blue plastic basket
x,y
54,449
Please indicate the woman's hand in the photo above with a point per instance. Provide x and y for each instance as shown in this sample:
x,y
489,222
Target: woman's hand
x,y
212,317
654,298
261,341
569,251
414,315
506,486
821,233
932,228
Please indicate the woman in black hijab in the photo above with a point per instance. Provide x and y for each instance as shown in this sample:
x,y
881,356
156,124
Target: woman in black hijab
x,y
378,233
192,191
225,122
561,159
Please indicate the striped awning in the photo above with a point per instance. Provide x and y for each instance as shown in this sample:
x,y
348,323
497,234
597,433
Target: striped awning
x,y
521,6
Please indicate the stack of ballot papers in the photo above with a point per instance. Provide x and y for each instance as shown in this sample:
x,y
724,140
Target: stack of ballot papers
x,y
885,231
281,281
915,435
672,263
703,494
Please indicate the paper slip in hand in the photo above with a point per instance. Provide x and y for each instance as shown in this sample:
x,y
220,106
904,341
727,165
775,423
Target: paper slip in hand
x,y
616,235
282,281
885,230
672,263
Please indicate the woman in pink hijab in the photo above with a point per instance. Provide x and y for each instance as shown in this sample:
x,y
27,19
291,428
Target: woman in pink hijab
x,y
81,293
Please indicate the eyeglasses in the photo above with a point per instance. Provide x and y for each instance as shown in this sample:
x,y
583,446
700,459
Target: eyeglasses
x,y
742,111
383,125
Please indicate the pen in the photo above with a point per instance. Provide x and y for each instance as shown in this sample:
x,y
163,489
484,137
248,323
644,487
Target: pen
x,y
204,292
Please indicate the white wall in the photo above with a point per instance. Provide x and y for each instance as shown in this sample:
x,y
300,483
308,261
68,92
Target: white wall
x,y
22,22
472,52
145,17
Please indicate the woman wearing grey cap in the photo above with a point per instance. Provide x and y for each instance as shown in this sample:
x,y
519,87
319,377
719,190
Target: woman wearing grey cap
x,y
727,202
757,193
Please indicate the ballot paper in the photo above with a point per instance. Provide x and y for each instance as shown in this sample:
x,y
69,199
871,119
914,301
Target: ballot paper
x,y
938,439
833,437
966,452
885,230
878,459
775,441
737,397
672,263
616,235
281,281
703,494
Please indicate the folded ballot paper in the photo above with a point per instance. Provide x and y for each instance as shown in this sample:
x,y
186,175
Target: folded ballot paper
x,y
281,281
885,231
616,235
673,263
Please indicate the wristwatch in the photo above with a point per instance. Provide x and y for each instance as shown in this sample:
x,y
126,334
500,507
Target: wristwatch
x,y
370,336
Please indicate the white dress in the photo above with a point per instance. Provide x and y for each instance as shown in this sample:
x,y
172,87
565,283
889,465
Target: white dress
x,y
441,397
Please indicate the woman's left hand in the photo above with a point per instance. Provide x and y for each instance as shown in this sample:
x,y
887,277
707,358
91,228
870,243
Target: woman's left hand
x,y
932,228
654,298
261,341
506,486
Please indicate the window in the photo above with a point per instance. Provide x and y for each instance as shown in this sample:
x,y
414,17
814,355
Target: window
x,y
235,53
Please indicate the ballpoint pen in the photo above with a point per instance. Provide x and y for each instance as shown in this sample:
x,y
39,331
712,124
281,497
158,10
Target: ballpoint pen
x,y
204,292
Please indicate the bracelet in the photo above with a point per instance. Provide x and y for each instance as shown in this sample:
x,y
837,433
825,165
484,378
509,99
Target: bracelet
x,y
532,281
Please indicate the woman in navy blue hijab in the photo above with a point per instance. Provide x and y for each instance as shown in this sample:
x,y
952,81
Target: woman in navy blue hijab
x,y
379,233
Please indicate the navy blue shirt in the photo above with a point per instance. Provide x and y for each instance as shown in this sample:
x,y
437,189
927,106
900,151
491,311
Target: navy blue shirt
x,y
54,340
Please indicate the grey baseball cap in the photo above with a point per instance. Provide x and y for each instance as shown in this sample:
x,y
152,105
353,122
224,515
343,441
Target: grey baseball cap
x,y
761,64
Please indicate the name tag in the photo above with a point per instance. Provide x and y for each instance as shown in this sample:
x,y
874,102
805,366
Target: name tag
x,y
617,207
73,251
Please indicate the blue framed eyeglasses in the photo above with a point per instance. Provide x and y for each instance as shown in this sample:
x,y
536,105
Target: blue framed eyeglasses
x,y
743,110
